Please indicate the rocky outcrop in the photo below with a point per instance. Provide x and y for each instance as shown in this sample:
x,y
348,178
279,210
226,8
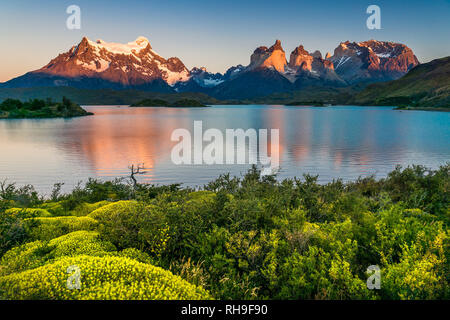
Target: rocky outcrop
x,y
273,58
307,67
301,60
372,60
317,54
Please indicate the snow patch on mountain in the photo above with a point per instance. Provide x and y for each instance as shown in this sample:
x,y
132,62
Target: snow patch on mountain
x,y
172,77
119,48
341,61
384,55
212,82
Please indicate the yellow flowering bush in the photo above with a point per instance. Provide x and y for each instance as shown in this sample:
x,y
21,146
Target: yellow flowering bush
x,y
418,275
37,253
202,195
80,242
112,209
46,228
86,208
55,208
29,212
27,256
100,278
60,208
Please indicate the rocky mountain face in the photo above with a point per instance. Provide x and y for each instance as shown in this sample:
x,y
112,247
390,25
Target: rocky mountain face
x,y
200,80
272,58
271,72
372,61
306,68
301,60
136,65
233,72
102,64
205,78
351,63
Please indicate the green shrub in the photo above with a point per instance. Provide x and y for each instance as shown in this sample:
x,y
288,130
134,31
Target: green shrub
x,y
318,274
101,278
46,228
187,218
25,196
29,212
243,238
55,208
64,208
135,254
12,230
132,224
84,208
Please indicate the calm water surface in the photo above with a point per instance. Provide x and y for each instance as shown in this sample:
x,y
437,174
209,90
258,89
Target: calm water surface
x,y
333,142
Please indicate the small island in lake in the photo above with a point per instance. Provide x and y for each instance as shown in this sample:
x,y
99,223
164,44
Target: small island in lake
x,y
184,103
307,103
36,108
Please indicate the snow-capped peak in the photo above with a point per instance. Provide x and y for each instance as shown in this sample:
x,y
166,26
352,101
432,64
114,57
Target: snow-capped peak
x,y
143,41
119,48
130,64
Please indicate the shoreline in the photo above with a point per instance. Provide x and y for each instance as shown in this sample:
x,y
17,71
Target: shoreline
x,y
280,104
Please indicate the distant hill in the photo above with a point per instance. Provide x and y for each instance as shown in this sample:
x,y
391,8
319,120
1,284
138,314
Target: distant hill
x,y
100,96
427,85
184,103
311,95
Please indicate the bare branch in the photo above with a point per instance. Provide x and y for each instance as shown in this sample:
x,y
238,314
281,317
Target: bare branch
x,y
139,169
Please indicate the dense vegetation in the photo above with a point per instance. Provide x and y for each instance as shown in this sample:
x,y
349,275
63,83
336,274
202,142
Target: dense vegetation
x,y
162,103
326,95
11,108
238,238
101,96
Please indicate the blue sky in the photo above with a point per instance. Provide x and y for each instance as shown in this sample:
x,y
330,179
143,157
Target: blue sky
x,y
215,34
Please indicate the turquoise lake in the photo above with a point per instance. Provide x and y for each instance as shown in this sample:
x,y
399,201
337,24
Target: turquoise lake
x,y
333,142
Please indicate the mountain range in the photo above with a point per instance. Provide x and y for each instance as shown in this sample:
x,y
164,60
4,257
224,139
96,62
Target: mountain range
x,y
135,65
